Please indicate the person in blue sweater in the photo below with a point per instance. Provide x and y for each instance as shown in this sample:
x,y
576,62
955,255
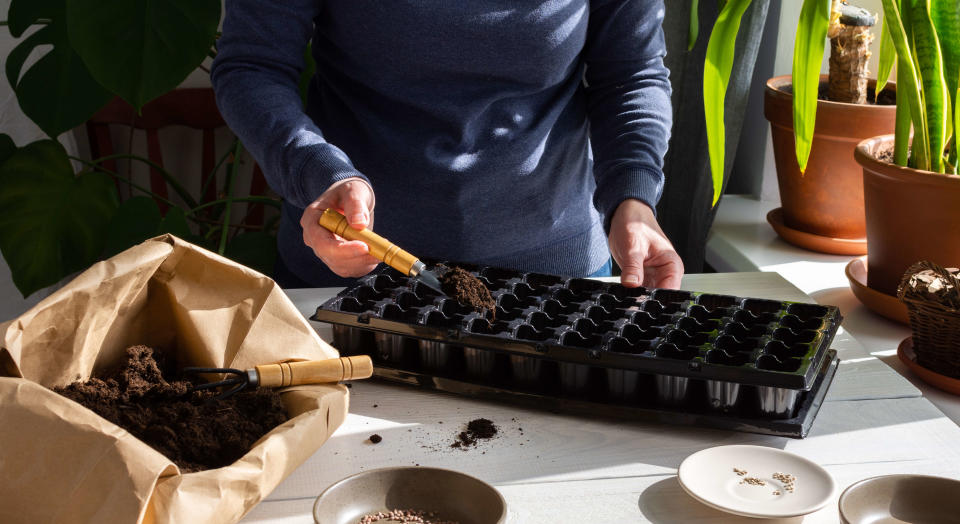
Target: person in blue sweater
x,y
513,133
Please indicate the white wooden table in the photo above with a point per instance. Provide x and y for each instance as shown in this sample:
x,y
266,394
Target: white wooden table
x,y
562,468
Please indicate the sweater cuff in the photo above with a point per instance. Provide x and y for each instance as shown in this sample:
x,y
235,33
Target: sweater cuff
x,y
320,170
642,183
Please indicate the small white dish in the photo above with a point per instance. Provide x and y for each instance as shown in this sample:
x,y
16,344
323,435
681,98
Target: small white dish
x,y
709,477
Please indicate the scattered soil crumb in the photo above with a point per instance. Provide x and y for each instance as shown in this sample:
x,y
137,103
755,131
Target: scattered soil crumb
x,y
477,429
404,516
375,438
466,289
194,434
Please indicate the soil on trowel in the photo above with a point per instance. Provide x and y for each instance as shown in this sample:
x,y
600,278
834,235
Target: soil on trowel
x,y
188,428
477,430
467,289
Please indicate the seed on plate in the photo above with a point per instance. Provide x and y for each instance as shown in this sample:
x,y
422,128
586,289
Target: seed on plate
x,y
789,481
739,471
753,481
776,492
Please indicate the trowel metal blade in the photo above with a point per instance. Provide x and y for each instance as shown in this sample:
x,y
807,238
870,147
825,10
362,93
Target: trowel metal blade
x,y
429,279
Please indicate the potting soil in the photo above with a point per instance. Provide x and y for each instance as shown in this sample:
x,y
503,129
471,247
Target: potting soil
x,y
467,289
193,433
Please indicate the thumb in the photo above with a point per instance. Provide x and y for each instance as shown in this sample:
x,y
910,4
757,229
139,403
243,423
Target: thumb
x,y
355,207
631,271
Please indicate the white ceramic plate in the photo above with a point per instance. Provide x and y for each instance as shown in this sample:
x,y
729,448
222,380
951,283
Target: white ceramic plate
x,y
708,476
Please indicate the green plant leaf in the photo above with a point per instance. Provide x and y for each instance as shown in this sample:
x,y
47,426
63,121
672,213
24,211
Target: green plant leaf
x,y
140,49
946,18
886,60
255,249
933,91
901,133
137,219
908,84
694,29
53,222
56,92
7,147
807,57
175,223
309,69
716,76
24,13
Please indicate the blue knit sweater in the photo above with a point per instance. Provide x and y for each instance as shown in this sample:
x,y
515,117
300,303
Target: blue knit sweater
x,y
501,132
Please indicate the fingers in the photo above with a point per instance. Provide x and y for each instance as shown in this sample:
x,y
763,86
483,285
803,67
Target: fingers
x,y
641,249
664,270
345,258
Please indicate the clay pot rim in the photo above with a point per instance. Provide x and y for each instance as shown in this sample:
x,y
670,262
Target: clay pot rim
x,y
864,156
774,89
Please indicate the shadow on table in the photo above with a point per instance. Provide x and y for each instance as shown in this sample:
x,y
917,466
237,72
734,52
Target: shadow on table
x,y
292,511
667,503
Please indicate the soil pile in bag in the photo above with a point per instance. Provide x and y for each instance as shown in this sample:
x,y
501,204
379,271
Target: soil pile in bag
x,y
193,433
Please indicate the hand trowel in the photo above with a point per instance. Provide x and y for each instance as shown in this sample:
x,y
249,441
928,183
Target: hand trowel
x,y
381,249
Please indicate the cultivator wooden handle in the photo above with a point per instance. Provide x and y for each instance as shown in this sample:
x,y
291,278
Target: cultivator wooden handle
x,y
380,248
314,371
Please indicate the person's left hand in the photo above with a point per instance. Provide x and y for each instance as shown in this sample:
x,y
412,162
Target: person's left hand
x,y
641,249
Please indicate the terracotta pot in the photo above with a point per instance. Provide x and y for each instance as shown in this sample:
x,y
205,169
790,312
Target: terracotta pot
x,y
912,215
827,200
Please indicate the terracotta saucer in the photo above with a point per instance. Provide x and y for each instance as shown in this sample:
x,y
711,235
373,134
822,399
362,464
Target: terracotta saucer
x,y
909,358
822,244
878,302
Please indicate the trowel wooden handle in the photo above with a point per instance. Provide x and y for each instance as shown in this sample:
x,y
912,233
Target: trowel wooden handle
x,y
380,248
315,371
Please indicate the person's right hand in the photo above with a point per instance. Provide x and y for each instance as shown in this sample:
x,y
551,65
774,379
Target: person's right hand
x,y
354,198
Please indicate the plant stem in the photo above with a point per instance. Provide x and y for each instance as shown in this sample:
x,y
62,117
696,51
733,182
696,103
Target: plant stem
x,y
231,177
251,199
93,165
212,175
174,183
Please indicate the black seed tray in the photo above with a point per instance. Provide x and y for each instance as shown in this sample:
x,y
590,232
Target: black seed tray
x,y
795,424
578,324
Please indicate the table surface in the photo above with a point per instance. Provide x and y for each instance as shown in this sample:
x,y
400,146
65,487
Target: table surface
x,y
558,468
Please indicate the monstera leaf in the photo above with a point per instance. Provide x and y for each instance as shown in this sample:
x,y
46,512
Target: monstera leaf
x,y
57,92
140,49
138,219
53,222
255,249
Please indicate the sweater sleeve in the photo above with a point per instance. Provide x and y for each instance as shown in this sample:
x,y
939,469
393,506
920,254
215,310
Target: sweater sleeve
x,y
628,100
256,76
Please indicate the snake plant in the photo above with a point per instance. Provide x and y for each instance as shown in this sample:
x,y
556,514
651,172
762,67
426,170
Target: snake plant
x,y
926,37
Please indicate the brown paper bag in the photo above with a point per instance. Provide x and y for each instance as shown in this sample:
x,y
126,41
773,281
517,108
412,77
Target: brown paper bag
x,y
60,462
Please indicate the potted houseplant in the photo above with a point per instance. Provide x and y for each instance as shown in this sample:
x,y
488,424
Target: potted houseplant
x,y
821,187
911,187
822,192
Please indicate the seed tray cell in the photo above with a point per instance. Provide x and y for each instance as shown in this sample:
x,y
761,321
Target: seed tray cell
x,y
582,324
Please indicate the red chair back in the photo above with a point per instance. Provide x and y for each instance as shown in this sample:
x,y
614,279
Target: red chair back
x,y
195,108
